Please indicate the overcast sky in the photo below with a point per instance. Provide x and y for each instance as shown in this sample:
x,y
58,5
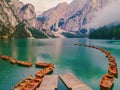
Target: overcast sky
x,y
42,5
110,14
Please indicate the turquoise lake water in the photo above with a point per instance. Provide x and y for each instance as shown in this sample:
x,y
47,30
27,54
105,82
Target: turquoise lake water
x,y
88,64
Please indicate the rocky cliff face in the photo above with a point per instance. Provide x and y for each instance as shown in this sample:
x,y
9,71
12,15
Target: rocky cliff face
x,y
18,20
74,16
25,13
82,13
8,20
53,16
6,14
16,5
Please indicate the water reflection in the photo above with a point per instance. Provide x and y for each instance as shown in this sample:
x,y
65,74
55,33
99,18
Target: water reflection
x,y
20,49
87,64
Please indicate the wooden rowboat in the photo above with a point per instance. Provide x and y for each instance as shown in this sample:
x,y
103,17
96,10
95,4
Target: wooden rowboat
x,y
12,60
107,81
22,83
43,64
24,63
113,70
111,58
45,71
33,84
112,64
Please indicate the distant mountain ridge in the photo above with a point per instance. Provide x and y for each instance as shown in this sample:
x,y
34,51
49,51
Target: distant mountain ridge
x,y
73,16
20,21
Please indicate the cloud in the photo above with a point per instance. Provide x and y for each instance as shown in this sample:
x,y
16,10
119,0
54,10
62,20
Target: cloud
x,y
110,14
42,5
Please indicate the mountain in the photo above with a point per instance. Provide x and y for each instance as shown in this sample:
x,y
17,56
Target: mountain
x,y
81,12
73,17
8,21
18,20
53,15
24,12
49,20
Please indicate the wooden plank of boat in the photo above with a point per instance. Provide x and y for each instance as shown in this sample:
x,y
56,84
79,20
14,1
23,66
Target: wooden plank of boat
x,y
111,58
107,52
50,82
24,63
72,82
44,71
13,60
22,83
33,84
5,57
113,70
107,81
44,64
38,79
112,64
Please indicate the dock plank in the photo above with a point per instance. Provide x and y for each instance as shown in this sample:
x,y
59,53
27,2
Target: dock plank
x,y
73,83
50,82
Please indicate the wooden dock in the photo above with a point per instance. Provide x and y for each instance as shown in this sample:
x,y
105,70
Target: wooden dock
x,y
73,83
50,82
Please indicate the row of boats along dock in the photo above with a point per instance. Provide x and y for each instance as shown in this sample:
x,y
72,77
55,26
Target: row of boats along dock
x,y
15,61
107,80
42,81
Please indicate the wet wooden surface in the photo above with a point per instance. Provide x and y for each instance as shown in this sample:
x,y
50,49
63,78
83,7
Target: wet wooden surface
x,y
73,83
50,82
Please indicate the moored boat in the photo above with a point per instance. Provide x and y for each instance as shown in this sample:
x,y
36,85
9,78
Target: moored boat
x,y
24,63
113,70
111,58
22,83
44,64
108,55
107,81
5,57
112,64
12,60
33,84
107,52
45,71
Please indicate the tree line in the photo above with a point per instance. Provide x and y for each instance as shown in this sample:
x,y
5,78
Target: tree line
x,y
111,32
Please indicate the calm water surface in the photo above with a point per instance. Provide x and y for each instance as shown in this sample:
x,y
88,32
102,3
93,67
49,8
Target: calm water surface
x,y
86,63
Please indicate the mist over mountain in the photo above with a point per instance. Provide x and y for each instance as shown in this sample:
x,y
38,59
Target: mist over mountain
x,y
76,15
108,15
